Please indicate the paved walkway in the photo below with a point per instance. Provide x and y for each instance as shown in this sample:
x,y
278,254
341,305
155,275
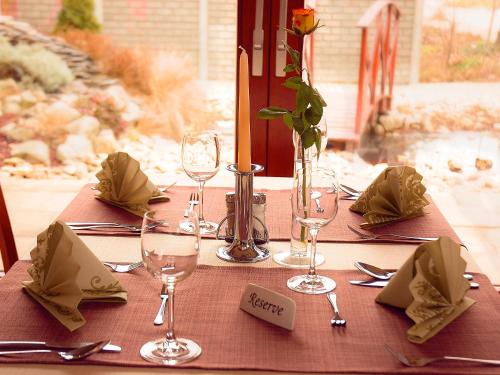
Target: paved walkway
x,y
33,204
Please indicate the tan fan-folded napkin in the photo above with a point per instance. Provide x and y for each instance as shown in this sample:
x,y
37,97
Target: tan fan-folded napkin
x,y
396,194
65,272
123,184
430,287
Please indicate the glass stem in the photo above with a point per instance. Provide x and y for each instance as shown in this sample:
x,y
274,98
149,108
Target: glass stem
x,y
170,337
200,211
312,264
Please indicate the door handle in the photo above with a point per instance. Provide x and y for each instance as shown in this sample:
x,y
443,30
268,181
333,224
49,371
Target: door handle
x,y
258,39
281,38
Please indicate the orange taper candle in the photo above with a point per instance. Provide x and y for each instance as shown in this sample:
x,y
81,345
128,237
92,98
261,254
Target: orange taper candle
x,y
244,153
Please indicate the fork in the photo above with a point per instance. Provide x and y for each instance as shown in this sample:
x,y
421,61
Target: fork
x,y
350,191
161,312
336,321
369,236
424,361
194,199
122,268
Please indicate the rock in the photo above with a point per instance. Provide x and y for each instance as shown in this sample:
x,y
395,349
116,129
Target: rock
x,y
88,125
118,96
17,133
28,98
14,162
61,113
76,147
132,113
379,129
8,87
454,167
105,142
483,164
12,104
391,122
34,151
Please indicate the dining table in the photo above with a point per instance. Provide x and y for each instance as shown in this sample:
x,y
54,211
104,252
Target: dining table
x,y
338,256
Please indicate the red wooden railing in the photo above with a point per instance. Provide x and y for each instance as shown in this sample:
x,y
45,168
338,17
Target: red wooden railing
x,y
7,244
375,97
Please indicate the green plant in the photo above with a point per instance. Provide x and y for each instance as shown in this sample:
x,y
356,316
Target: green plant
x,y
77,14
33,63
309,104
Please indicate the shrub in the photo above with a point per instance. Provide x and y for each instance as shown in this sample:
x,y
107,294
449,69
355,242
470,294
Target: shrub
x,y
33,63
77,14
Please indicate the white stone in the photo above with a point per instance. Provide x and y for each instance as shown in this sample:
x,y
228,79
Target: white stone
x,y
12,104
17,133
8,87
76,147
132,113
88,125
105,142
28,97
34,151
61,113
119,96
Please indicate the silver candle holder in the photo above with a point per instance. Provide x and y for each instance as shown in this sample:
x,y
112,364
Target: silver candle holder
x,y
243,248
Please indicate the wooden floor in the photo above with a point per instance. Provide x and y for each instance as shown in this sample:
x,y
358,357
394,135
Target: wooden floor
x,y
33,204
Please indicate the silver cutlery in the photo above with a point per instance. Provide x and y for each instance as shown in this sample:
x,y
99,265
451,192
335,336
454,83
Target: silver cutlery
x,y
424,361
164,189
350,191
106,226
382,283
122,268
315,195
336,321
68,355
161,312
349,198
385,236
381,274
27,345
194,199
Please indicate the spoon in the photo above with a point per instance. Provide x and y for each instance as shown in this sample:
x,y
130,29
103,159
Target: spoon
x,y
316,195
381,274
68,355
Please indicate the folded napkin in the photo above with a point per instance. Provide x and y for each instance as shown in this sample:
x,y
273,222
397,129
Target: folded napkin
x,y
396,194
431,287
123,184
65,272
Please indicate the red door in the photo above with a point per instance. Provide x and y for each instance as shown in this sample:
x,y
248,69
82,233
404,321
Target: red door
x,y
260,32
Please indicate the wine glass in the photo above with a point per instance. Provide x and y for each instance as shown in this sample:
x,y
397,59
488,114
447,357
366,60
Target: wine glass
x,y
314,204
201,160
170,255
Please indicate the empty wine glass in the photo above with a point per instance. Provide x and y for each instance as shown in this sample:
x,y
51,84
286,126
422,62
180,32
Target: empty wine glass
x,y
314,204
170,255
201,160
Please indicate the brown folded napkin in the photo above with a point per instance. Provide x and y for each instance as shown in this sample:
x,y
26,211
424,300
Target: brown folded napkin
x,y
123,184
65,272
396,194
431,287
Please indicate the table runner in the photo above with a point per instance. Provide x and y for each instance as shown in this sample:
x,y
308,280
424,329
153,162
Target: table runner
x,y
207,312
85,208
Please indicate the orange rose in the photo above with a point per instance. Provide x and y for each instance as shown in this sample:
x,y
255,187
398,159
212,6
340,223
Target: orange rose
x,y
303,21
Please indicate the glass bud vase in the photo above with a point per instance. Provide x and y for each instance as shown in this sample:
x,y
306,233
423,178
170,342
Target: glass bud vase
x,y
297,255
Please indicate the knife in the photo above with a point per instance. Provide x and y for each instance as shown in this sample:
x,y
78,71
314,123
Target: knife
x,y
382,283
29,345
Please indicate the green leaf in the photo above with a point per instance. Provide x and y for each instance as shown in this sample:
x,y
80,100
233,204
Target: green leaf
x,y
313,114
271,113
308,138
289,68
298,125
318,95
293,82
306,123
302,98
288,120
317,141
294,54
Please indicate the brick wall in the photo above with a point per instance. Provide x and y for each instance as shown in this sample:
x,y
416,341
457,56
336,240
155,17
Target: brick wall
x,y
174,25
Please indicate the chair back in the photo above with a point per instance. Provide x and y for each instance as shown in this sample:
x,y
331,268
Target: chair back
x,y
7,244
